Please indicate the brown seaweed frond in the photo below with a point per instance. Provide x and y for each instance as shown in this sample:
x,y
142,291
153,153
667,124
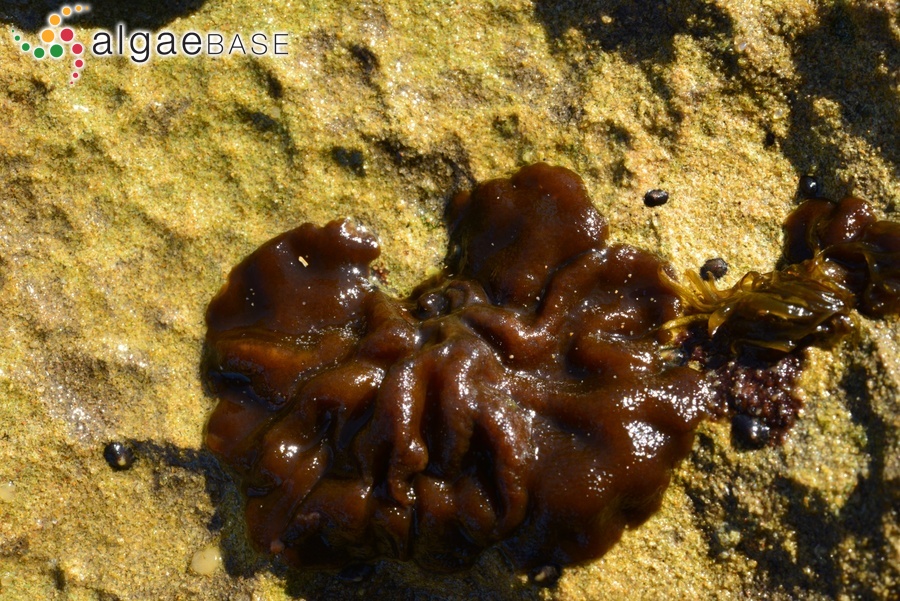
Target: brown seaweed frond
x,y
779,310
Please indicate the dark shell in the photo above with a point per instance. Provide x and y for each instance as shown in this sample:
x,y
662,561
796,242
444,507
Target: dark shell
x,y
714,268
656,198
118,455
810,186
749,432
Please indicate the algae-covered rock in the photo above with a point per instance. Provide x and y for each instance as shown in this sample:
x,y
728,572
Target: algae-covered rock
x,y
128,194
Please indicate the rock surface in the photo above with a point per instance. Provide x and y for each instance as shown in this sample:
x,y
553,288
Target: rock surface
x,y
128,196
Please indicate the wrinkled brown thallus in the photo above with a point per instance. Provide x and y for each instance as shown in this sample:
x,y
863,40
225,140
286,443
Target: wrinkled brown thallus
x,y
527,397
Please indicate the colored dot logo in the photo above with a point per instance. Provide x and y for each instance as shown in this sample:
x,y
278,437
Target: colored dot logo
x,y
55,41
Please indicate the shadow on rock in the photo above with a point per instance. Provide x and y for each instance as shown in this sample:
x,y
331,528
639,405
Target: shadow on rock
x,y
804,545
643,33
849,61
140,14
847,65
639,31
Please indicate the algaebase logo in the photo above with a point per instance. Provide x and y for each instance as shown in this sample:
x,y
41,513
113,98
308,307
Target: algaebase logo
x,y
140,46
55,39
